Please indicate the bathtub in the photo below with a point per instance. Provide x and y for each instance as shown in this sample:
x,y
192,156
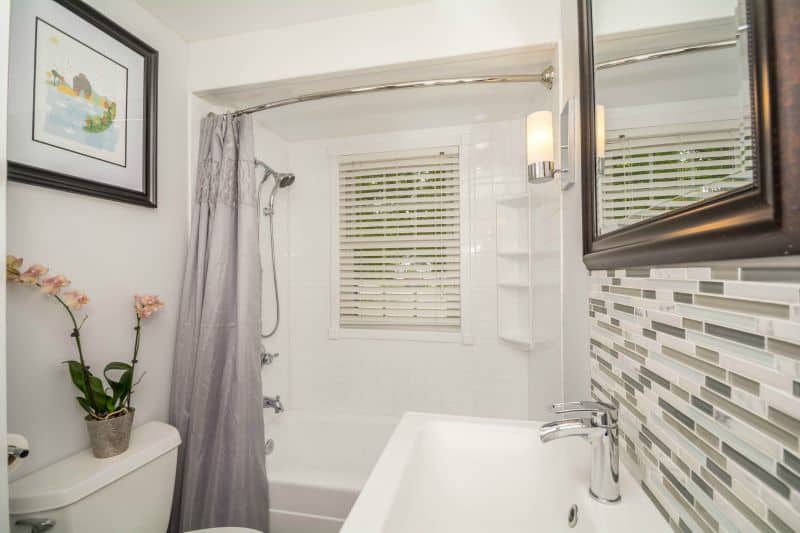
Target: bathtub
x,y
318,466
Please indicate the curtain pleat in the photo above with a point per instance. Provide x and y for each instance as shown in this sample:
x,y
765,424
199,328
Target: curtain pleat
x,y
216,396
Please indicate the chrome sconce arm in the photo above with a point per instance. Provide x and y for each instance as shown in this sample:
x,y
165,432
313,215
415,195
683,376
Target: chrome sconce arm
x,y
543,171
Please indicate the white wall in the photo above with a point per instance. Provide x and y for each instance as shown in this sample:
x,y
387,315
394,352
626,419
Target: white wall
x,y
111,250
4,29
426,30
641,14
381,377
545,368
665,114
574,280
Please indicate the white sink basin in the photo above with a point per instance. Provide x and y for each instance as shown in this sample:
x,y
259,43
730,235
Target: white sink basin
x,y
450,474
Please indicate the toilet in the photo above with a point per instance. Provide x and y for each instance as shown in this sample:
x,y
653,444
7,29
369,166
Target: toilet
x,y
129,493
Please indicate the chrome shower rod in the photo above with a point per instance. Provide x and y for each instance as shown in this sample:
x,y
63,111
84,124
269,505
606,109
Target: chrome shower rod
x,y
545,77
670,52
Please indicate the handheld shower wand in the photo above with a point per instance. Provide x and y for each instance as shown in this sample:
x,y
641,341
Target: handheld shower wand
x,y
282,180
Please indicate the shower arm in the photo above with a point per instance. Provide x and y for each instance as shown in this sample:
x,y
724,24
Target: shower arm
x,y
545,77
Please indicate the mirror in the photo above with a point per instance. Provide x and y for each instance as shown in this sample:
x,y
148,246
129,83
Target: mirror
x,y
672,97
679,141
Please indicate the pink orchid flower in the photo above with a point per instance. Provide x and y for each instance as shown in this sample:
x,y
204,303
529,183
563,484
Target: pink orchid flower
x,y
33,274
75,299
13,265
54,284
145,305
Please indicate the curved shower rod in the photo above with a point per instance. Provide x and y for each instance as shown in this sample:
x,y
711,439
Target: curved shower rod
x,y
545,77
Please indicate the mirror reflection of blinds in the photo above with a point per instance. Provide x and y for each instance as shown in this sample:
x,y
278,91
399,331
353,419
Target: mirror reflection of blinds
x,y
399,240
648,175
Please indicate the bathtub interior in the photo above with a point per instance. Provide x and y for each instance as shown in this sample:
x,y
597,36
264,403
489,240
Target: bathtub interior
x,y
319,463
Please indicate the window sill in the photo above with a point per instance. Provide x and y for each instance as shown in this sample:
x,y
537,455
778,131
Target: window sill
x,y
399,335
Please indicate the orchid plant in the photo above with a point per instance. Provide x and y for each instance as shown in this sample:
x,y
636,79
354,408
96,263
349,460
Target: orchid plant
x,y
101,402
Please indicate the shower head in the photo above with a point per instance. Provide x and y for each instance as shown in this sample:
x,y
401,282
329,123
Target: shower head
x,y
285,179
282,180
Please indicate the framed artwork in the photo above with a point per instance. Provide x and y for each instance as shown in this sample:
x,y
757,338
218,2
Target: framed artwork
x,y
81,103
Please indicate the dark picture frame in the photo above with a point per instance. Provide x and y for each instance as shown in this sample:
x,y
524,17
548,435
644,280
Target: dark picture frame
x,y
762,220
33,175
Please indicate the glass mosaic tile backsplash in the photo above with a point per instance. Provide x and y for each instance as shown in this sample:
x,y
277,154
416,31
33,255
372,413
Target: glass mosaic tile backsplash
x,y
704,364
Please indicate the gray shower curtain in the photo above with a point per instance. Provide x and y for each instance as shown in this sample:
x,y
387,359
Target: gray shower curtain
x,y
216,398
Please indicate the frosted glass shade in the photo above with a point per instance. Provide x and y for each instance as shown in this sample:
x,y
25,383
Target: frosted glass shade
x,y
540,137
600,126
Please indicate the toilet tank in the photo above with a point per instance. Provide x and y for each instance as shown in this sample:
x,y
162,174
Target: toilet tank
x,y
129,493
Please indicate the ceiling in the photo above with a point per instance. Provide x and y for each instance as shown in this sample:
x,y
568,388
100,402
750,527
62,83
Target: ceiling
x,y
406,109
207,19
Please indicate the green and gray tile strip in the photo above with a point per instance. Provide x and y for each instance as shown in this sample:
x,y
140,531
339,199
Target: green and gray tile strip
x,y
705,366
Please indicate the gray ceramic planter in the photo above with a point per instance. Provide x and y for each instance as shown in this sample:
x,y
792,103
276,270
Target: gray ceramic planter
x,y
110,437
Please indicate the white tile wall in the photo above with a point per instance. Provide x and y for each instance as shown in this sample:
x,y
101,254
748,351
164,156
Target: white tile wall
x,y
381,377
275,152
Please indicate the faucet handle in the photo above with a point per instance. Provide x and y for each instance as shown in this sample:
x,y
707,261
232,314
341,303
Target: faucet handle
x,y
591,407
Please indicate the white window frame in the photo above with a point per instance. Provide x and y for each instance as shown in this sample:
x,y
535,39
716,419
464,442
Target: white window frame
x,y
391,142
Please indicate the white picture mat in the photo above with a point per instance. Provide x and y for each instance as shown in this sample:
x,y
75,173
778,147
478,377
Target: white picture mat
x,y
21,147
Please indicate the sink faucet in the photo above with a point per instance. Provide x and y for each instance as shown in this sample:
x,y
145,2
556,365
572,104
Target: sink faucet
x,y
597,423
274,403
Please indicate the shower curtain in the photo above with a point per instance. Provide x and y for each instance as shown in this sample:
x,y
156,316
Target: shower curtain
x,y
216,398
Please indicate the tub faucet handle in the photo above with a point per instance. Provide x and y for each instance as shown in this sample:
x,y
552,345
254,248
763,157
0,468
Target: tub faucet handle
x,y
37,525
267,358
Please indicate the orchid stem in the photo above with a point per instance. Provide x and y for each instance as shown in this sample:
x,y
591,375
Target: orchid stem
x,y
138,329
76,332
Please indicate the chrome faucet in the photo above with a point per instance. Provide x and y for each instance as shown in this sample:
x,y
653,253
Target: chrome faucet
x,y
274,403
597,423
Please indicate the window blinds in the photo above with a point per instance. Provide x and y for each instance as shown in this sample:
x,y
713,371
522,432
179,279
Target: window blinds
x,y
399,240
648,175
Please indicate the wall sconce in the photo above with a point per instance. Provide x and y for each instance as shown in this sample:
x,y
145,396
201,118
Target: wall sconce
x,y
541,165
600,139
539,126
539,130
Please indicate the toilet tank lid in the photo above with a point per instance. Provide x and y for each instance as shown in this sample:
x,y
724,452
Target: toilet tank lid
x,y
78,476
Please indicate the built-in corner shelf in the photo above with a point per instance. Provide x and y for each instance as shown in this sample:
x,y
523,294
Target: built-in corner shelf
x,y
513,284
513,270
513,253
519,338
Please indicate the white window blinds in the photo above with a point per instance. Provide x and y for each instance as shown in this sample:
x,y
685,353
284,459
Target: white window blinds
x,y
399,240
648,175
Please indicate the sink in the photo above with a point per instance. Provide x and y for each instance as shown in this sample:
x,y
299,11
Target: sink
x,y
448,474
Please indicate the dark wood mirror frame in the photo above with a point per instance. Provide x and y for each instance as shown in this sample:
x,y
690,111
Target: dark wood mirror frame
x,y
758,221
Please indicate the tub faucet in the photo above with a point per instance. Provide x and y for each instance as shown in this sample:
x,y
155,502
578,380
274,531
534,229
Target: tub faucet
x,y
274,403
597,423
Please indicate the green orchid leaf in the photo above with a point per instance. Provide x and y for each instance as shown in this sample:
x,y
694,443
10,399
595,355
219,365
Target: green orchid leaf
x,y
120,388
76,374
98,394
83,403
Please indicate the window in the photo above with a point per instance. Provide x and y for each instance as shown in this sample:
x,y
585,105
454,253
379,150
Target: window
x,y
399,240
645,175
